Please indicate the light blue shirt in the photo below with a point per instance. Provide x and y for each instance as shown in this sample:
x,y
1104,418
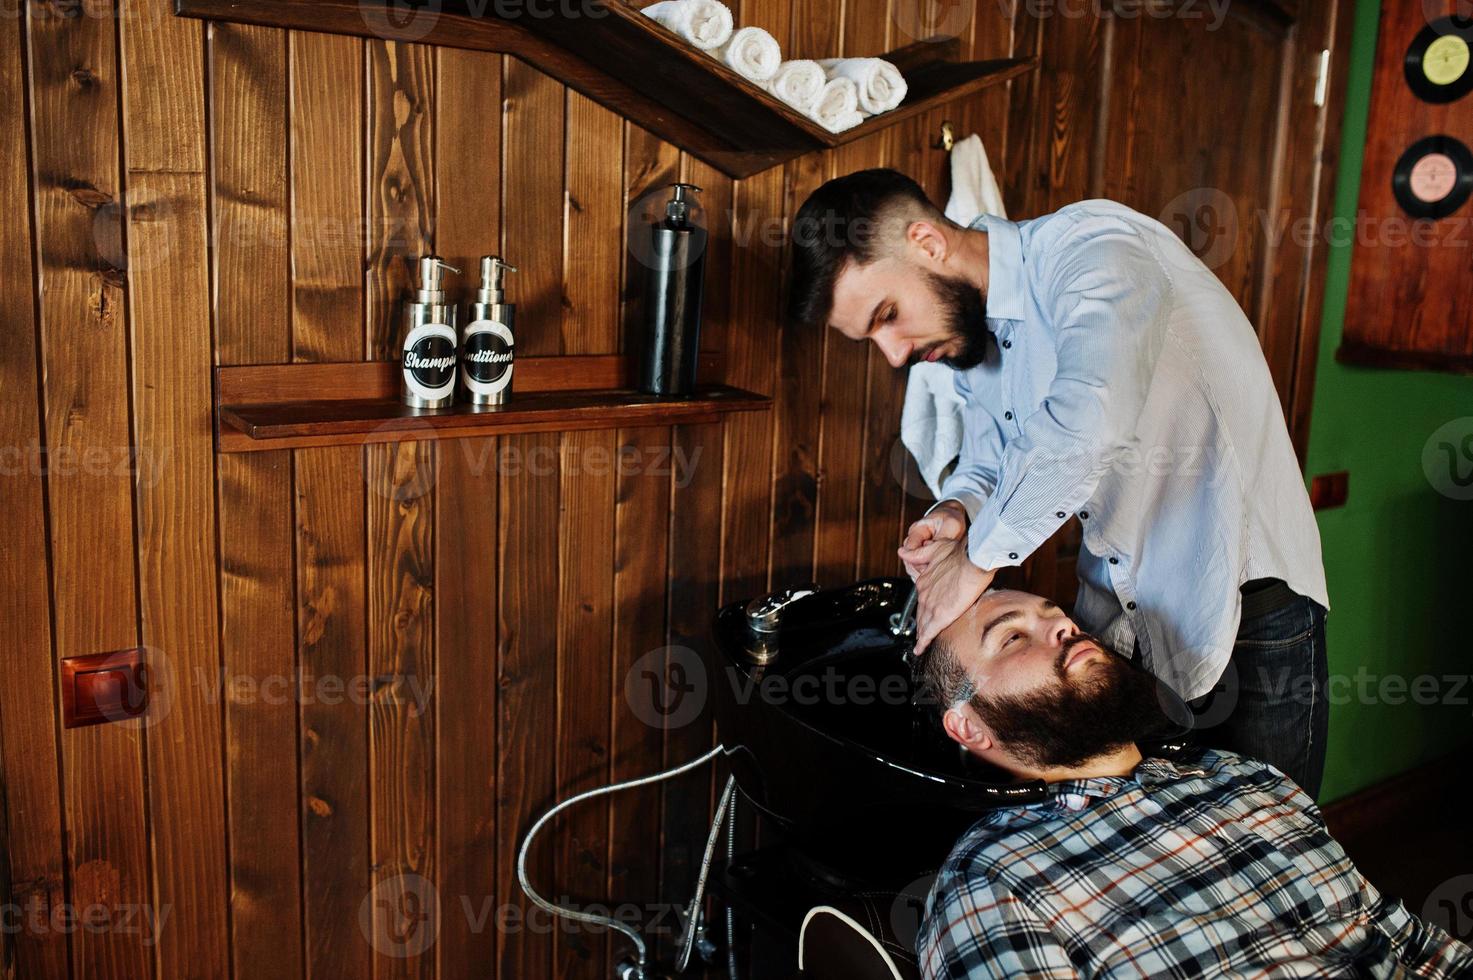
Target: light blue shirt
x,y
1126,386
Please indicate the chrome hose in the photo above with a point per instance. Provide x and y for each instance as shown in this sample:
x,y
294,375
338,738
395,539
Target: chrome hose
x,y
695,904
589,917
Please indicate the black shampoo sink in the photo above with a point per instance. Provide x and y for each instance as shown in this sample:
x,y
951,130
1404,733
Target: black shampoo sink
x,y
818,717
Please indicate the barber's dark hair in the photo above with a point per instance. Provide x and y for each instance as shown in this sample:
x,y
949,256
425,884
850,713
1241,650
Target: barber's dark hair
x,y
840,222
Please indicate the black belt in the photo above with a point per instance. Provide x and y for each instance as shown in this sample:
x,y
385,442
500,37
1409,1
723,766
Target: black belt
x,y
1266,595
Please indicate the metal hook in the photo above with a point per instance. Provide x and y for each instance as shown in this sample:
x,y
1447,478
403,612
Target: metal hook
x,y
948,138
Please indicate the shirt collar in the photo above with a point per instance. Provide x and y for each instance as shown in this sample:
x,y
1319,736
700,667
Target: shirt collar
x,y
1079,794
1005,285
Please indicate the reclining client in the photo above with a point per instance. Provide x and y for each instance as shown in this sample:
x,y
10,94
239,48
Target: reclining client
x,y
1134,866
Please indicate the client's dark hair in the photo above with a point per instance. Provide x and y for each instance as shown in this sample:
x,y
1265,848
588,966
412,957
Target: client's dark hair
x,y
845,220
943,681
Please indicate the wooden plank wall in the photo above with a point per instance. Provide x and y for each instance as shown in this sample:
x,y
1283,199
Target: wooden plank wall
x,y
382,663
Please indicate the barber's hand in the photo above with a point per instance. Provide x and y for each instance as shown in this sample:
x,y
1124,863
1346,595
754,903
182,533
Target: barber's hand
x,y
946,590
924,540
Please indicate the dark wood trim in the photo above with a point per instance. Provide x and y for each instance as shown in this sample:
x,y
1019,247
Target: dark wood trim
x,y
276,406
250,428
1364,355
1329,490
1338,32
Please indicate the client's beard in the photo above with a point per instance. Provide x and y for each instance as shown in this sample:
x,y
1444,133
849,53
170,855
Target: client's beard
x,y
963,307
1068,723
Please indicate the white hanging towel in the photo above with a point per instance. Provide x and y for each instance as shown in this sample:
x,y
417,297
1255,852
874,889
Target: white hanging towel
x,y
704,23
931,418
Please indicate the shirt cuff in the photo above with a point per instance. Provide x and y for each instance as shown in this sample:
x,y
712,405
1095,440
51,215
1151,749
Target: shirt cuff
x,y
971,503
997,547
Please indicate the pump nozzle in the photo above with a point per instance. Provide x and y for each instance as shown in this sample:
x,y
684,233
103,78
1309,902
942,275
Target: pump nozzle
x,y
677,209
431,284
492,269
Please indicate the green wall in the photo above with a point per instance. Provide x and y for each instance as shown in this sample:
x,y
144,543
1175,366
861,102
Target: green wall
x,y
1397,555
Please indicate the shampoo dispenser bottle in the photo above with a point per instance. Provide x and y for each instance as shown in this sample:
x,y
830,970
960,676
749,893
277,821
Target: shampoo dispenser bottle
x,y
672,300
427,357
487,347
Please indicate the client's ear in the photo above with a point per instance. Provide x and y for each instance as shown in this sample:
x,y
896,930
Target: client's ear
x,y
964,727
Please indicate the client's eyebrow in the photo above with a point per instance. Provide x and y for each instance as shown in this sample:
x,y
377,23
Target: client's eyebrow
x,y
1011,615
1006,617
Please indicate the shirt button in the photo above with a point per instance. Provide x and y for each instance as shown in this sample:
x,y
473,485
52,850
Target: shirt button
x,y
1008,416
1058,513
1130,605
1007,343
1013,555
1084,515
1114,561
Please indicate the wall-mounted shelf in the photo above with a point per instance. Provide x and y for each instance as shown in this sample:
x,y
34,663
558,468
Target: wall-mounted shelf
x,y
259,407
635,67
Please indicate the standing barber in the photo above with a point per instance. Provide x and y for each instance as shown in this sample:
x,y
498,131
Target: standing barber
x,y
1106,372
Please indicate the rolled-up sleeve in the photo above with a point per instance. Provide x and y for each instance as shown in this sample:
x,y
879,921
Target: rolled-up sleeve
x,y
1110,299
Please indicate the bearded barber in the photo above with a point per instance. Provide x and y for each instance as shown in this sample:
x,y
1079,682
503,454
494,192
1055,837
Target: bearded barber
x,y
1106,373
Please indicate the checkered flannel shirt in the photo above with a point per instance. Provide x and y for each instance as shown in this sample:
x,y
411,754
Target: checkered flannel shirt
x,y
1219,866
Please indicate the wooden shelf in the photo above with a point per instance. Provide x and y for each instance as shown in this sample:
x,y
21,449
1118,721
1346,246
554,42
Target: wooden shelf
x,y
357,403
632,65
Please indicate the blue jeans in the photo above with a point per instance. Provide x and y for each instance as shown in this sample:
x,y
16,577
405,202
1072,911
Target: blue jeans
x,y
1272,701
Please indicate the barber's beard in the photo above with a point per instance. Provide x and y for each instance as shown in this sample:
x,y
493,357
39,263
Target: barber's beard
x,y
963,309
1105,706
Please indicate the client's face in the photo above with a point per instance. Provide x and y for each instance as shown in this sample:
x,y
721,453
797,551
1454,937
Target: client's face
x,y
1047,695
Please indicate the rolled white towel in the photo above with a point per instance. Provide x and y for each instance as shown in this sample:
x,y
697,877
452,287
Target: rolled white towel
x,y
798,83
752,52
881,86
837,108
704,23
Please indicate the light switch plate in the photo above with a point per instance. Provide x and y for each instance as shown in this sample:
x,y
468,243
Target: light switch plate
x,y
103,687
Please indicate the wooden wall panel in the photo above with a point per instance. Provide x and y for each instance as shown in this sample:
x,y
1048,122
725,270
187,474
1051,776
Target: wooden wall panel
x,y
527,677
811,34
79,208
532,195
328,243
249,153
33,870
399,504
330,528
641,549
590,325
468,225
585,600
400,478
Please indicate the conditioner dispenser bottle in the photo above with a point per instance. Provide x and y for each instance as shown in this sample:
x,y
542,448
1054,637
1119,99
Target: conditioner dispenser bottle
x,y
427,357
487,347
672,300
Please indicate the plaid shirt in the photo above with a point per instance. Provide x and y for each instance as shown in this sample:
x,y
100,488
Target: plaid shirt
x,y
1220,866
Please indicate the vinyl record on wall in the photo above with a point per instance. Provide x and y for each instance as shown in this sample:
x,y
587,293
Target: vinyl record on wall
x,y
1437,64
1433,177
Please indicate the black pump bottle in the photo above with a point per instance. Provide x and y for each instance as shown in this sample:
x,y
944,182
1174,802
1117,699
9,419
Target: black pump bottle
x,y
672,300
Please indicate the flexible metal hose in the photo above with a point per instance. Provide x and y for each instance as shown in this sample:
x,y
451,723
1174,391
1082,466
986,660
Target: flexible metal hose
x,y
731,829
695,904
589,917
